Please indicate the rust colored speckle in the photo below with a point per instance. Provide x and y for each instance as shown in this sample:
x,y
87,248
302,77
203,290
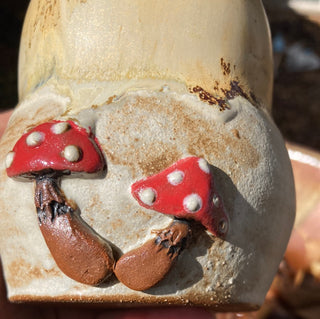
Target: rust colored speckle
x,y
225,67
110,99
223,94
209,98
235,90
236,133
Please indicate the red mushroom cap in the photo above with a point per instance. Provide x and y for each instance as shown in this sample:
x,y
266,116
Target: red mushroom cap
x,y
57,145
185,190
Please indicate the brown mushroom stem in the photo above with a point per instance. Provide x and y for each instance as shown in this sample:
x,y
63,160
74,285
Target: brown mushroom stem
x,y
174,237
142,268
79,252
50,201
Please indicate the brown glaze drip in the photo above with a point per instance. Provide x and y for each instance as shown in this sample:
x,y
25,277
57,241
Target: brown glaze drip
x,y
142,268
228,93
209,98
225,67
78,251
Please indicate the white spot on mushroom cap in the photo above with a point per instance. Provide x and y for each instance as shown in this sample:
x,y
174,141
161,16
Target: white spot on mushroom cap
x,y
192,203
60,127
223,226
215,200
147,196
176,177
35,138
71,153
204,166
9,159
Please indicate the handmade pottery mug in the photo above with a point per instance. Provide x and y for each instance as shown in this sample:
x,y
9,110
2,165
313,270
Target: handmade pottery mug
x,y
141,165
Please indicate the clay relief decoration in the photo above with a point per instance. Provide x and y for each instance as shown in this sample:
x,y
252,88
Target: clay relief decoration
x,y
185,190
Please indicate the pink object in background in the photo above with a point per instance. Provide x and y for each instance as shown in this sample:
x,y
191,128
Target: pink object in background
x,y
4,119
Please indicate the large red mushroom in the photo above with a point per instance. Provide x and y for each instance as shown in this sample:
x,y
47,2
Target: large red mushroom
x,y
46,153
185,190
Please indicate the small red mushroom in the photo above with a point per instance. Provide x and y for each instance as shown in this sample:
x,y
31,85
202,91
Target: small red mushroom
x,y
186,191
46,153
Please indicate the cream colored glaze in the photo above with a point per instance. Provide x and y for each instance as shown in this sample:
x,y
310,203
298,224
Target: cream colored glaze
x,y
107,67
124,46
253,177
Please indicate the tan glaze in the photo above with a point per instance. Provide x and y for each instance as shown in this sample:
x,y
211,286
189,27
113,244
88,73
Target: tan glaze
x,y
78,251
142,268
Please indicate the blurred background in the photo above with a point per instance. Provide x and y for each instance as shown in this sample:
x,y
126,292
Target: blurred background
x,y
295,28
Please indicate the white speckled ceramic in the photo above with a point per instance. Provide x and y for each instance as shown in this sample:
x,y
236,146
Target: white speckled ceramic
x,y
157,81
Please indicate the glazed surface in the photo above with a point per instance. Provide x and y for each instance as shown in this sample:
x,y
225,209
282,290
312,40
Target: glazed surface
x,y
252,175
198,84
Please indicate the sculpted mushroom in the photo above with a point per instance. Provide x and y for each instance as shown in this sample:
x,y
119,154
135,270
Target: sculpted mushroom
x,y
46,153
160,79
186,191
